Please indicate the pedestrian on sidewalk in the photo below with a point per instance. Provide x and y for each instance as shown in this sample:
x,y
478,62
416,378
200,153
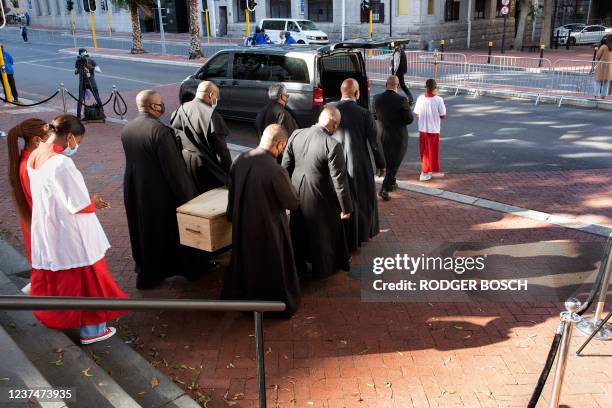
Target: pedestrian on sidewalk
x,y
399,68
393,113
202,132
68,242
603,69
429,110
155,183
33,132
23,30
10,73
358,136
260,192
315,163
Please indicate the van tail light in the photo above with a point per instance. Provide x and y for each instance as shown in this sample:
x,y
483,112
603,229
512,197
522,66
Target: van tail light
x,y
317,97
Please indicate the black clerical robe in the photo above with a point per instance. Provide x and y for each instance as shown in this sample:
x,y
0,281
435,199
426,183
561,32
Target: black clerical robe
x,y
154,185
202,132
275,113
393,113
315,162
358,130
262,266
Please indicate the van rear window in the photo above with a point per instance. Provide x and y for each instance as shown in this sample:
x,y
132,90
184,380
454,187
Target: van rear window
x,y
287,69
273,25
341,63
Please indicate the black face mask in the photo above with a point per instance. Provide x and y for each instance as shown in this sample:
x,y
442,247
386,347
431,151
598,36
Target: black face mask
x,y
160,111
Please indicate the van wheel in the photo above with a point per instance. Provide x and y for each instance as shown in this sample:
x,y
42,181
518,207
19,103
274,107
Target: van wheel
x,y
301,42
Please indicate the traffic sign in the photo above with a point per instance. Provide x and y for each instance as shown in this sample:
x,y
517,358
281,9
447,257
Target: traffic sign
x,y
505,2
505,10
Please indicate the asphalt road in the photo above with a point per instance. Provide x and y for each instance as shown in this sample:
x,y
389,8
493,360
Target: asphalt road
x,y
480,135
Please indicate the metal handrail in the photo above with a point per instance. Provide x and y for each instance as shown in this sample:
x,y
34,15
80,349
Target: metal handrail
x,y
77,303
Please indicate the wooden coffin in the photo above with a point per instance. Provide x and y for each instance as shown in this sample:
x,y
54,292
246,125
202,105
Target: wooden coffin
x,y
202,223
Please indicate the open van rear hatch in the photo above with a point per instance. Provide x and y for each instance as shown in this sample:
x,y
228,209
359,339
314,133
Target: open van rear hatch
x,y
365,43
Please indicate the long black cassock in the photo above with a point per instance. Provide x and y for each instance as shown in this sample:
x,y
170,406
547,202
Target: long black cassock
x,y
262,266
202,133
315,162
154,185
358,130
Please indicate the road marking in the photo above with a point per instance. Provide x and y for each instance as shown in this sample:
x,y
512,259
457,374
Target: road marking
x,y
41,60
98,75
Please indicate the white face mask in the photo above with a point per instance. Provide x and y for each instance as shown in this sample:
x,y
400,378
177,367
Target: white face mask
x,y
215,103
70,151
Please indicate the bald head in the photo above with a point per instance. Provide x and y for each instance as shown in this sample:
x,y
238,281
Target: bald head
x,y
350,89
392,83
207,92
150,101
274,139
330,119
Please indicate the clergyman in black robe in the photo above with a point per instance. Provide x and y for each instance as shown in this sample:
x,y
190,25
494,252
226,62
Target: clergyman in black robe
x,y
393,114
275,111
202,133
315,162
358,130
154,185
262,266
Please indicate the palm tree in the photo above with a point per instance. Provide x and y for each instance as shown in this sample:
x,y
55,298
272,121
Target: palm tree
x,y
195,48
134,6
522,22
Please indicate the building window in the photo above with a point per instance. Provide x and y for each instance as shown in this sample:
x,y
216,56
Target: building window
x,y
430,7
479,9
451,10
378,12
321,10
402,7
240,15
280,8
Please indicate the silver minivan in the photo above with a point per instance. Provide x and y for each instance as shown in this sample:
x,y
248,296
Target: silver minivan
x,y
312,75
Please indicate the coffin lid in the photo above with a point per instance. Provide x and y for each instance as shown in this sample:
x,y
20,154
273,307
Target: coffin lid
x,y
212,204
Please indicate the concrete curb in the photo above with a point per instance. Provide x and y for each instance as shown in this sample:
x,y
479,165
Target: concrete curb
x,y
136,59
571,223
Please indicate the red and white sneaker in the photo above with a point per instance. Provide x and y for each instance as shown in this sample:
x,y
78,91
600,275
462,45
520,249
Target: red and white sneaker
x,y
108,333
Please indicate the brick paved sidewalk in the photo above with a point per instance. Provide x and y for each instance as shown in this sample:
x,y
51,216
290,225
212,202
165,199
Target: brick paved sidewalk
x,y
338,351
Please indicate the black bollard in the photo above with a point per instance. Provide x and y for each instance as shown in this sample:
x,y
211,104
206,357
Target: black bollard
x,y
490,52
541,55
567,43
442,50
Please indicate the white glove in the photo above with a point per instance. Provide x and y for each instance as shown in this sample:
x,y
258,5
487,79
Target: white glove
x,y
97,69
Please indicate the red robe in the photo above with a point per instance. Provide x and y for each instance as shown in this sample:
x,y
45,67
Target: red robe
x,y
87,281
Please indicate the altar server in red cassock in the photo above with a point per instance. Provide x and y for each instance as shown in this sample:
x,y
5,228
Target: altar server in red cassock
x,y
32,131
68,243
430,109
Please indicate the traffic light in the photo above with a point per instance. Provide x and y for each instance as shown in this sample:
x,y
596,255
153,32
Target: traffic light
x,y
89,5
242,4
103,6
69,5
251,5
365,4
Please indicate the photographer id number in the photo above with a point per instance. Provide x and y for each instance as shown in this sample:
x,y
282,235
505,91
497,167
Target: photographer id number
x,y
8,394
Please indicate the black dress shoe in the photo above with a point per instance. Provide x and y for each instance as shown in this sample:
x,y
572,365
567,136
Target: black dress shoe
x,y
384,195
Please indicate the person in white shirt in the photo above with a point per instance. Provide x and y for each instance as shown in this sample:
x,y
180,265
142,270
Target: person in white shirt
x,y
430,111
68,243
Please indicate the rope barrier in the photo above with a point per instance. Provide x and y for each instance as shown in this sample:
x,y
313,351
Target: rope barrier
x,y
119,105
31,104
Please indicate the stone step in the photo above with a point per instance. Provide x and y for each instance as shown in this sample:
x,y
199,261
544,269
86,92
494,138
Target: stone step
x,y
128,369
18,373
62,363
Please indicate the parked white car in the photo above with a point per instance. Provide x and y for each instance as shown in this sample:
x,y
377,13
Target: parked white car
x,y
562,30
588,35
303,31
